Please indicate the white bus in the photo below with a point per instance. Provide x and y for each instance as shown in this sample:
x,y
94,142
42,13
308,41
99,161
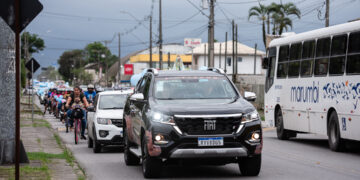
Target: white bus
x,y
313,84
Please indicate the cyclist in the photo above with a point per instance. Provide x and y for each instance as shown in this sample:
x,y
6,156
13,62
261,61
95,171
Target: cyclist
x,y
90,93
71,99
47,100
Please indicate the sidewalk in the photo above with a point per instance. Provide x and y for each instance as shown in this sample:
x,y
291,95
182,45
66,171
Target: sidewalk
x,y
49,159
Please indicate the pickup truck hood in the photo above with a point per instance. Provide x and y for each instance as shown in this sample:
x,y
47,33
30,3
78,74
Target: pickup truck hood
x,y
202,106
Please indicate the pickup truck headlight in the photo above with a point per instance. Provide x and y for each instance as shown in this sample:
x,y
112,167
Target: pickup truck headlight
x,y
249,117
104,121
162,118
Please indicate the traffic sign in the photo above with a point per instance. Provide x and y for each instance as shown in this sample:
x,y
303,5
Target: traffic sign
x,y
29,9
36,65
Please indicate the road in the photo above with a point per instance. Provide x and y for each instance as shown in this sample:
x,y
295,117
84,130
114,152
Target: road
x,y
306,157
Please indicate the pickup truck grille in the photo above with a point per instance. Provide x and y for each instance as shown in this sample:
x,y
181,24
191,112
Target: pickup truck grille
x,y
197,126
117,122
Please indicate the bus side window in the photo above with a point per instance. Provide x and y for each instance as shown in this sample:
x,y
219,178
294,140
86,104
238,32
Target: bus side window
x,y
353,58
338,50
307,62
282,69
295,57
322,57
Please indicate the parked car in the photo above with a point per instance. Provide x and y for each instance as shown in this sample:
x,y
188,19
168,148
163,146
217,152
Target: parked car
x,y
190,117
105,123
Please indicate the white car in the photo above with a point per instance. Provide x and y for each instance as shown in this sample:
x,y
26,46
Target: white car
x,y
105,123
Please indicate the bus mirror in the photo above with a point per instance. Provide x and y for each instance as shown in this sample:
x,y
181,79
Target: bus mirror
x,y
265,63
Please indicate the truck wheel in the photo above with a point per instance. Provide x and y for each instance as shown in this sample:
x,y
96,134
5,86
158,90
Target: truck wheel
x,y
96,146
130,158
90,142
335,142
282,133
151,166
250,166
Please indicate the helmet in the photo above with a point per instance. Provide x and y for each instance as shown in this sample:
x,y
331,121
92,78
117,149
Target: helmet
x,y
90,86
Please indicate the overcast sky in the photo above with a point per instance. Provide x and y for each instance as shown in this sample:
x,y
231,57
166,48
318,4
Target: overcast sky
x,y
71,24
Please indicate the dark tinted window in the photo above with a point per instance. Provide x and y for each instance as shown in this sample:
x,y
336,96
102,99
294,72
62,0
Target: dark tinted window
x,y
321,66
228,61
147,87
337,65
306,67
295,51
353,64
284,53
338,45
323,47
308,49
354,43
282,70
294,69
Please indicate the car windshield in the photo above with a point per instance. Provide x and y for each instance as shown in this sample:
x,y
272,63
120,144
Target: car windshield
x,y
211,87
112,101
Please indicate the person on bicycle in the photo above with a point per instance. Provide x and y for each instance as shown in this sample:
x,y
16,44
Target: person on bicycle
x,y
48,102
70,101
90,93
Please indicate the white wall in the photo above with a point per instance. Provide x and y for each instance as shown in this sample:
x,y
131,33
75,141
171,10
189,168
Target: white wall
x,y
244,67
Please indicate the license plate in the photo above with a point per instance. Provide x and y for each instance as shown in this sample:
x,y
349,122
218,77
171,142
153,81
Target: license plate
x,y
211,141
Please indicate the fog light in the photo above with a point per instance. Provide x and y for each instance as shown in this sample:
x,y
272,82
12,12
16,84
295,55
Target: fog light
x,y
255,137
160,139
103,133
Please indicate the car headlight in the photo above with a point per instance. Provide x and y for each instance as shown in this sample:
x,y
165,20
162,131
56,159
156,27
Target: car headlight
x,y
104,121
253,116
162,118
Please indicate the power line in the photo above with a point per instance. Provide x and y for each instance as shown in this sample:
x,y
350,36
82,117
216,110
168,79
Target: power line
x,y
245,2
197,8
182,22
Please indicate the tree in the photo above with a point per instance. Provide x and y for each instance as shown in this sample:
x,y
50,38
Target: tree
x,y
34,43
281,16
70,60
94,51
260,12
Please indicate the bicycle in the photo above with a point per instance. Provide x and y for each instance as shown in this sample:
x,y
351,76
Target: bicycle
x,y
77,115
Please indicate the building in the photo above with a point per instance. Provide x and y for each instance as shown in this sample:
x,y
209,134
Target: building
x,y
141,60
246,62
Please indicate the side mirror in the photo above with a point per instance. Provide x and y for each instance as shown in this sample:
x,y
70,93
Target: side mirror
x,y
137,97
91,109
249,96
265,63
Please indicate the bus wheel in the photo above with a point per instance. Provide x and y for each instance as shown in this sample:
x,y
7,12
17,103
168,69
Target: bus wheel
x,y
335,142
282,133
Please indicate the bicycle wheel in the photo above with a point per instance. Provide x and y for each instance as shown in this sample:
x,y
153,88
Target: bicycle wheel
x,y
76,131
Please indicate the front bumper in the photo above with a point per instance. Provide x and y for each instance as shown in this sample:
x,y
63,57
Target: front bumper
x,y
209,153
182,146
114,134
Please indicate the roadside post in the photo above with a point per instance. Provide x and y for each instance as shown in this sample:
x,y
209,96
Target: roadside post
x,y
32,65
18,14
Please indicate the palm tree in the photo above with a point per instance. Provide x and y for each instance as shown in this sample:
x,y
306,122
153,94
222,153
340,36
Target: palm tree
x,y
260,12
271,9
280,16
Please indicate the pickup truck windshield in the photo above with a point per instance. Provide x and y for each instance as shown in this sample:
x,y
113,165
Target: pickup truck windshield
x,y
211,87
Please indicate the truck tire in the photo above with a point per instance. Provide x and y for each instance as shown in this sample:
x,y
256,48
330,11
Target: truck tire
x,y
334,138
151,166
250,166
130,158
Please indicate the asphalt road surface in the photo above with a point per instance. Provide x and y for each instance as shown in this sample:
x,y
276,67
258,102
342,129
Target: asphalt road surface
x,y
306,157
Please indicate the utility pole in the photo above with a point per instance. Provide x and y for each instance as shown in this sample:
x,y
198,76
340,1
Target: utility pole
x,y
255,59
327,13
106,67
205,54
168,60
236,51
211,34
233,51
119,73
150,47
220,57
160,37
226,40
